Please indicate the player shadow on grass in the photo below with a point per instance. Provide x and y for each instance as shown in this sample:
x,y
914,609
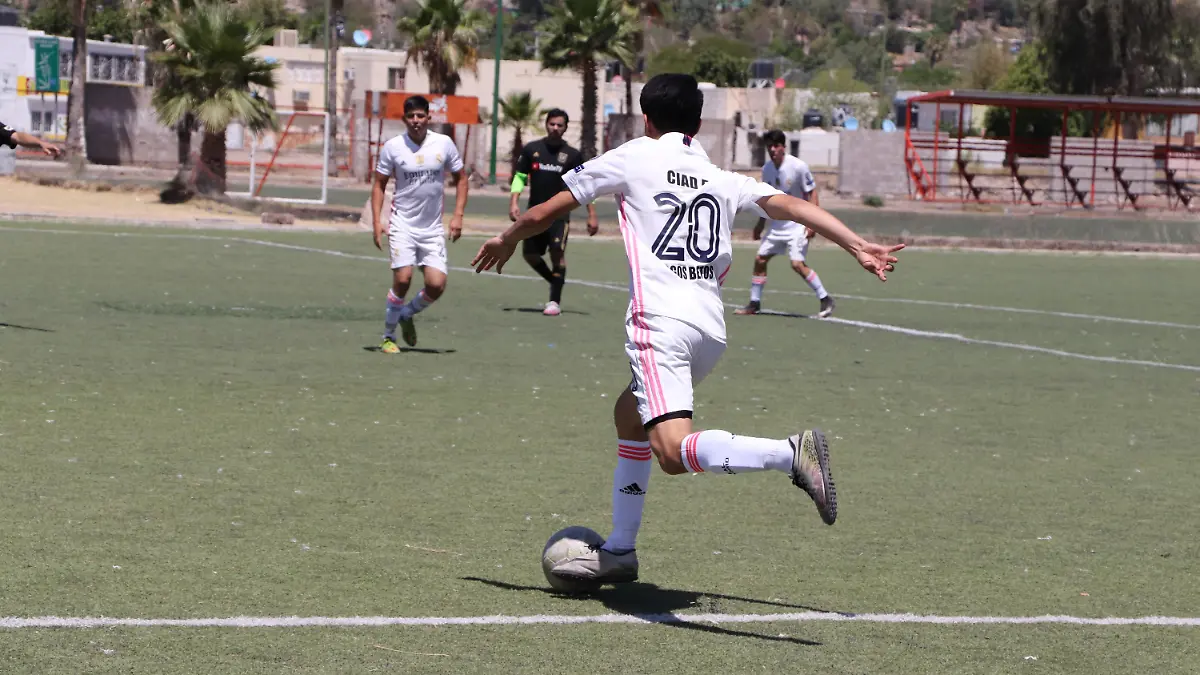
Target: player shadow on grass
x,y
786,315
415,350
538,310
4,324
659,604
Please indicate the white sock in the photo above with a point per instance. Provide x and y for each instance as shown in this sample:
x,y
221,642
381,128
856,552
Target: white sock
x,y
630,481
814,282
721,451
416,305
394,304
756,288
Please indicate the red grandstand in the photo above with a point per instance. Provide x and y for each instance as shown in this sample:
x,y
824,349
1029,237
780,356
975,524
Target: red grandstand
x,y
1098,165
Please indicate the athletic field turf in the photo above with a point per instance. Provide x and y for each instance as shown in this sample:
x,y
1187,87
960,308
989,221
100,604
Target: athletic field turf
x,y
194,427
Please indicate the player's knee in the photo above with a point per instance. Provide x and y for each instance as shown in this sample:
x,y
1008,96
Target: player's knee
x,y
667,449
669,456
435,289
532,259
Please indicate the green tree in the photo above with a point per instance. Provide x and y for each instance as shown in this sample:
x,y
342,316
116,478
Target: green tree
x,y
1029,75
212,74
921,76
1105,47
986,66
838,81
108,18
521,112
444,38
724,62
583,34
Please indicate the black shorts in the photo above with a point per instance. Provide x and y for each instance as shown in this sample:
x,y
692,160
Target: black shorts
x,y
553,239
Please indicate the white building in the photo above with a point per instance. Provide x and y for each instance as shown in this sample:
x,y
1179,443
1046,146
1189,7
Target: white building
x,y
45,113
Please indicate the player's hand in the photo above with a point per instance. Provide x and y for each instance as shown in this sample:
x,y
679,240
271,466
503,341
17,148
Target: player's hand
x,y
878,259
51,150
758,231
514,212
593,226
455,228
378,232
494,253
809,233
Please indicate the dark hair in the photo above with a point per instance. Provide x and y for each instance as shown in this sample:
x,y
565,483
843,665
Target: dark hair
x,y
673,102
557,112
415,103
774,137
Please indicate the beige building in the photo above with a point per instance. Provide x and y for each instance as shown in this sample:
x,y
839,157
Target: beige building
x,y
300,83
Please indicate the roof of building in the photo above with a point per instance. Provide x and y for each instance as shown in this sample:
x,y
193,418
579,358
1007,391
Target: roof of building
x,y
1136,104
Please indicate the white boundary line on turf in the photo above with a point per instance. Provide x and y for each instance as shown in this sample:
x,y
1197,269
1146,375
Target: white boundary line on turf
x,y
865,298
619,287
13,622
997,308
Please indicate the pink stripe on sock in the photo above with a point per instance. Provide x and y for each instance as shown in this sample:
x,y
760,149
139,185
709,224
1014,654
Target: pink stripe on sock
x,y
810,276
394,299
690,461
758,280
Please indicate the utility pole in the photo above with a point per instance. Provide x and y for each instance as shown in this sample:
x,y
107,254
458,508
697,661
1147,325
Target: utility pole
x,y
333,10
496,85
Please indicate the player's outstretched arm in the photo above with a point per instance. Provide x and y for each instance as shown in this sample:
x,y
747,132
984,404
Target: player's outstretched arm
x,y
497,250
874,258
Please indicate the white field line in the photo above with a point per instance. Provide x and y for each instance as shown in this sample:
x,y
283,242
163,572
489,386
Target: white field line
x,y
913,332
14,623
995,308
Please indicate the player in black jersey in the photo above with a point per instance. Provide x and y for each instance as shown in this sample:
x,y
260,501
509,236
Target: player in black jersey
x,y
542,164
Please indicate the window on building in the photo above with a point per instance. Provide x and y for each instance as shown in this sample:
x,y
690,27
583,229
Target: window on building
x,y
396,79
114,68
300,99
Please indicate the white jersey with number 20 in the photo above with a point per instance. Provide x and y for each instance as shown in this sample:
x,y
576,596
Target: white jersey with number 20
x,y
675,209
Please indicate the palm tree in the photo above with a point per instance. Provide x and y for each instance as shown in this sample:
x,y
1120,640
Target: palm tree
x,y
443,39
582,33
212,69
521,113
645,13
76,133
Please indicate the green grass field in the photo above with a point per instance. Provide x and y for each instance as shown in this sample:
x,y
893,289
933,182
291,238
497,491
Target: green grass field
x,y
192,427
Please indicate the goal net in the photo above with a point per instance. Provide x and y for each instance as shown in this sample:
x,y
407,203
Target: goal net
x,y
290,164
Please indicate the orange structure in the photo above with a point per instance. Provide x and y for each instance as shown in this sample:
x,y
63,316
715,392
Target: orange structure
x,y
382,106
1098,170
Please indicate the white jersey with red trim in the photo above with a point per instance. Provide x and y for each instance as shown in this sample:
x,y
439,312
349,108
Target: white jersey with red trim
x,y
676,209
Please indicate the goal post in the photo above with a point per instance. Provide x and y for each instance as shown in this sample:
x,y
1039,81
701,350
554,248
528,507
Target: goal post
x,y
289,165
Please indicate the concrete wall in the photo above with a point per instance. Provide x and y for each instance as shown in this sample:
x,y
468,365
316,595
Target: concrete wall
x,y
122,128
716,137
872,162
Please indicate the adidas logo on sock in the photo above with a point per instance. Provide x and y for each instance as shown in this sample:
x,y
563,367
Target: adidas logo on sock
x,y
633,489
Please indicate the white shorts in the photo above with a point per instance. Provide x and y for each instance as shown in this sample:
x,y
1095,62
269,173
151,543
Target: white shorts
x,y
668,358
795,247
421,248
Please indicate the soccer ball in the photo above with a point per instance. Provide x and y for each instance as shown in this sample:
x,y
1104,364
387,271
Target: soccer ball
x,y
565,544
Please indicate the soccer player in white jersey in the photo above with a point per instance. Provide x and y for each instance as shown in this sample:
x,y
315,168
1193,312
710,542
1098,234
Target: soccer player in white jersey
x,y
675,209
791,175
419,161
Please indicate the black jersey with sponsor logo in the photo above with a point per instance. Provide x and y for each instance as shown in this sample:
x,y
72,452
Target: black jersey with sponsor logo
x,y
545,165
6,136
